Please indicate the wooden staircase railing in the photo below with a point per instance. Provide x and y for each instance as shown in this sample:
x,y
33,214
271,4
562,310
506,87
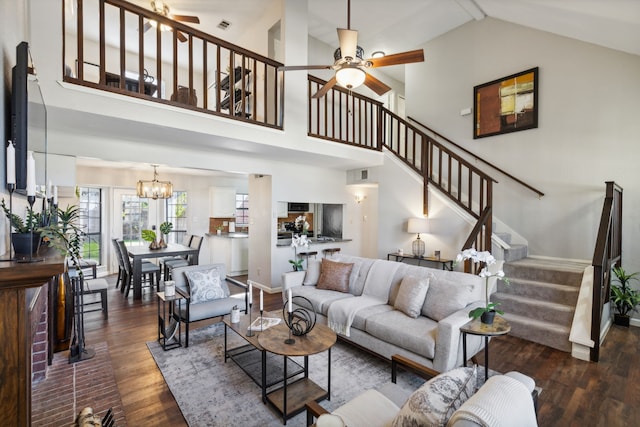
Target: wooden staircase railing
x,y
149,56
607,254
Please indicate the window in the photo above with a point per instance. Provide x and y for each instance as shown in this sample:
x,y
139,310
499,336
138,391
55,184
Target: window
x,y
135,218
90,204
176,209
242,210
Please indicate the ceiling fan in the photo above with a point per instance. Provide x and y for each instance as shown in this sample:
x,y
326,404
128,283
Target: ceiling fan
x,y
161,8
350,67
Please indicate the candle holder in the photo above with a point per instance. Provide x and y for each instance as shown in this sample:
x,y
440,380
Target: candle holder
x,y
301,320
261,322
31,200
249,331
289,340
11,188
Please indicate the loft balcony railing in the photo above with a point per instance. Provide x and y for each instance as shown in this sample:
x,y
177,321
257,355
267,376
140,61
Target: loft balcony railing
x,y
119,47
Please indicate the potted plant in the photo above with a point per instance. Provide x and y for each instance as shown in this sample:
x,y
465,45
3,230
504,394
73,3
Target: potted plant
x,y
150,236
64,233
165,229
295,277
25,236
488,312
625,299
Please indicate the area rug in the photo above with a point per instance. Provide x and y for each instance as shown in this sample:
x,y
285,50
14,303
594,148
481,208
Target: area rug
x,y
211,392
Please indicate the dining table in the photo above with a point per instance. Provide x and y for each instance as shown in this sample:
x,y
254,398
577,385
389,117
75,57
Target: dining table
x,y
140,253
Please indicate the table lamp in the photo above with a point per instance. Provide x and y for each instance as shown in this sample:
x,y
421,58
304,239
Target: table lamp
x,y
418,225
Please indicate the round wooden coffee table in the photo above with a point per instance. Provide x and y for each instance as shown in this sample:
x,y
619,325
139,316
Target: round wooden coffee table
x,y
290,399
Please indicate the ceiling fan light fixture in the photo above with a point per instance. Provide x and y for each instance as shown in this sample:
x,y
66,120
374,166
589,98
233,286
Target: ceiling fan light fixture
x,y
350,77
378,54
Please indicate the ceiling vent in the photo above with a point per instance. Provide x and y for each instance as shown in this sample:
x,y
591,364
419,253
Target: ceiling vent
x,y
224,24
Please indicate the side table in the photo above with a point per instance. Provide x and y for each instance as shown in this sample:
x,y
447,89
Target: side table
x,y
476,327
169,326
447,264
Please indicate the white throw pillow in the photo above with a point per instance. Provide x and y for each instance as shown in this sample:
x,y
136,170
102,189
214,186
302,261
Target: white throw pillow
x,y
445,297
205,285
436,401
313,272
411,295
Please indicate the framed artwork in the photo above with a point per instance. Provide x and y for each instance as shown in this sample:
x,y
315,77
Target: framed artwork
x,y
509,104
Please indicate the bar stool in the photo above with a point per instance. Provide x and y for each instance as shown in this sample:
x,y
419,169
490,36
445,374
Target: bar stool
x,y
306,255
329,252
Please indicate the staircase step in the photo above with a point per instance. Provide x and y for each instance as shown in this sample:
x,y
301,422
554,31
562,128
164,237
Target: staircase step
x,y
561,294
550,271
515,252
505,237
541,332
535,309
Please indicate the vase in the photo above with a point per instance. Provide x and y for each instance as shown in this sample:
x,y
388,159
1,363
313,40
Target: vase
x,y
487,317
162,244
621,320
25,244
154,245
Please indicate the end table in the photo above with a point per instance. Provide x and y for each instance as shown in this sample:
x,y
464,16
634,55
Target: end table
x,y
499,327
169,326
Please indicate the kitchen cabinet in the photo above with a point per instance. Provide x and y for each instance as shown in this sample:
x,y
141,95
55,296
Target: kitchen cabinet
x,y
222,202
283,212
233,252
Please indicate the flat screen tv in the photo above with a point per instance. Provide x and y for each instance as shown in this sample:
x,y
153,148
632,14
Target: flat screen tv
x,y
20,112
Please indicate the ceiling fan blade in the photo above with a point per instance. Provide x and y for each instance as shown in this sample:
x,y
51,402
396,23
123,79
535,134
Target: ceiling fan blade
x,y
147,27
324,89
304,67
181,37
348,42
376,85
398,58
186,18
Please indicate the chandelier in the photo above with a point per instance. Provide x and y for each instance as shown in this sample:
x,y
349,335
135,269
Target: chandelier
x,y
154,189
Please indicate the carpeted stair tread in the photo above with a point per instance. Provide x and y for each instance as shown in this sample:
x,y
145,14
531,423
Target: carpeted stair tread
x,y
563,294
540,331
561,314
515,252
551,271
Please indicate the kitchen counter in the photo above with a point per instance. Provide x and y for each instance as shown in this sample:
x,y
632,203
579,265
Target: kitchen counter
x,y
229,235
314,241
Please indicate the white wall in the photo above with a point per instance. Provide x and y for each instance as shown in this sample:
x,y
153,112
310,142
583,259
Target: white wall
x,y
587,130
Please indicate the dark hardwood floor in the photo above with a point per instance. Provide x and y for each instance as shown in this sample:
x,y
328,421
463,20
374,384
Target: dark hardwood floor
x,y
575,392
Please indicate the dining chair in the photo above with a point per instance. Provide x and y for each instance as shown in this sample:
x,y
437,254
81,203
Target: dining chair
x,y
186,241
196,243
121,271
148,269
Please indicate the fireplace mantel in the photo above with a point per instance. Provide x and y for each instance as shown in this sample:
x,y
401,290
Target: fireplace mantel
x,y
23,286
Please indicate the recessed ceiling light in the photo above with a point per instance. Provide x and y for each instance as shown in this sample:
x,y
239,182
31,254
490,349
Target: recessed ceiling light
x,y
377,54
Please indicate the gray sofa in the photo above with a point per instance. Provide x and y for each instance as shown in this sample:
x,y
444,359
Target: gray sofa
x,y
432,338
195,311
458,398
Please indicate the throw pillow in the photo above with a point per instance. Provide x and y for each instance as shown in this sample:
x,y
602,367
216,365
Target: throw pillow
x,y
411,295
436,401
334,275
313,273
445,297
204,285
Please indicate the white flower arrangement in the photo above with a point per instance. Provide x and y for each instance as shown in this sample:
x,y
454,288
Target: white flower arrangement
x,y
296,242
302,224
488,260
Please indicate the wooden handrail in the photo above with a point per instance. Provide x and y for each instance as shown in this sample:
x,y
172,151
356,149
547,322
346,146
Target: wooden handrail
x,y
250,92
607,253
476,157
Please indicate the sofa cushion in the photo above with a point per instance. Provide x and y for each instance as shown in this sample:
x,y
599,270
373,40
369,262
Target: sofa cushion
x,y
313,273
215,308
360,319
320,298
445,297
395,327
411,295
205,285
436,401
360,272
334,276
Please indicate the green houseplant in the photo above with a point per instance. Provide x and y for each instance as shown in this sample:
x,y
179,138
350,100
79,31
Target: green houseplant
x,y
165,229
625,299
150,236
486,313
64,233
25,236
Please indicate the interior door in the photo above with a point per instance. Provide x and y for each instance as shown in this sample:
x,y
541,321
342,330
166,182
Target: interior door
x,y
132,214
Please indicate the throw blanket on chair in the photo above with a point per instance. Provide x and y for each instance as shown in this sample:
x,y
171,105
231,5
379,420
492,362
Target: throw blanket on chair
x,y
376,292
